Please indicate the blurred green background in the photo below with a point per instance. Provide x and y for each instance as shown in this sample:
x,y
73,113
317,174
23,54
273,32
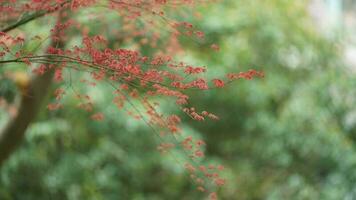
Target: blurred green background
x,y
291,135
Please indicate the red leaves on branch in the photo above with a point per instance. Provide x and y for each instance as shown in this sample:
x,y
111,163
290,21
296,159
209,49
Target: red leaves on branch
x,y
54,106
194,70
135,78
58,75
98,116
245,75
218,83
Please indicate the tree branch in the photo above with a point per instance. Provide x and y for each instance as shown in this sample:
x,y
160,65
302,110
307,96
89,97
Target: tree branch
x,y
31,17
24,21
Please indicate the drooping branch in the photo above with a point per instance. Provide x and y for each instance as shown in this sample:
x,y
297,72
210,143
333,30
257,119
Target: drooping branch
x,y
24,20
32,16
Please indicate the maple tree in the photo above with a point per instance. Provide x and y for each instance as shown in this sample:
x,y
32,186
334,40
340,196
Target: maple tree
x,y
134,78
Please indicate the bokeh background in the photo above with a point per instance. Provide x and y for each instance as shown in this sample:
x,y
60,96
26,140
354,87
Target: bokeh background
x,y
291,135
